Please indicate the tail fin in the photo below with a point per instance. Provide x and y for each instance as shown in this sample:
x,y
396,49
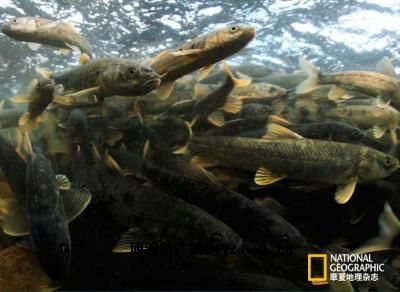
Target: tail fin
x,y
236,82
185,149
312,76
389,226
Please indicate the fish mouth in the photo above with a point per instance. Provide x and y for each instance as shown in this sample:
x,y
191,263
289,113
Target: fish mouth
x,y
154,82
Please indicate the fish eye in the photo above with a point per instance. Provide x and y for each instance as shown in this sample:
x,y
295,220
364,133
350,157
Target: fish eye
x,y
14,20
132,72
387,162
216,237
233,28
355,133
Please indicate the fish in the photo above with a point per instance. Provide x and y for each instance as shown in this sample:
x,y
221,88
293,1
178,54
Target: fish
x,y
206,107
39,96
202,53
9,118
282,153
199,187
330,130
38,30
251,71
371,83
45,215
107,77
254,92
287,81
77,125
367,115
151,215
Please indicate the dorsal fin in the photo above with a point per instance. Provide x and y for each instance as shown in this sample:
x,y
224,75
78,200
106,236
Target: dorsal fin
x,y
275,131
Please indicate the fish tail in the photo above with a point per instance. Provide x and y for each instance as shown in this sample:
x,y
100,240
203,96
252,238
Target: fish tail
x,y
185,149
236,82
389,226
312,76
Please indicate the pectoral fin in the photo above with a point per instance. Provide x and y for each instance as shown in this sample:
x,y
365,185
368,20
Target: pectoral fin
x,y
336,93
63,182
382,102
14,218
233,105
130,240
378,131
165,89
265,177
73,47
344,192
75,202
21,99
34,46
216,118
86,93
203,73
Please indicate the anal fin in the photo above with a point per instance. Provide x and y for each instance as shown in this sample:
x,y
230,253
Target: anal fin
x,y
265,177
165,90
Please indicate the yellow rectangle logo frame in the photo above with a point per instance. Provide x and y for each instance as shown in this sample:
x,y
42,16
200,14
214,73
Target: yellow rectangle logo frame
x,y
325,261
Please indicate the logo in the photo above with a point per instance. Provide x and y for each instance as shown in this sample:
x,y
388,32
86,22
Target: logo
x,y
342,267
318,268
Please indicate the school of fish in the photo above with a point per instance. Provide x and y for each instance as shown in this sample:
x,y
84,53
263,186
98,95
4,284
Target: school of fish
x,y
184,149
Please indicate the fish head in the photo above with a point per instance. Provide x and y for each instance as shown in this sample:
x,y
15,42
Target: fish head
x,y
345,132
376,165
235,36
201,228
256,110
77,119
52,246
128,78
19,26
287,236
46,87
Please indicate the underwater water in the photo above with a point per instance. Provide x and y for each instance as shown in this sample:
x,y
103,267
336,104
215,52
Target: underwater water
x,y
335,34
130,166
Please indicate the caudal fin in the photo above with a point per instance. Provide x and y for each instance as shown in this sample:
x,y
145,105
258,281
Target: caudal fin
x,y
389,226
312,76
